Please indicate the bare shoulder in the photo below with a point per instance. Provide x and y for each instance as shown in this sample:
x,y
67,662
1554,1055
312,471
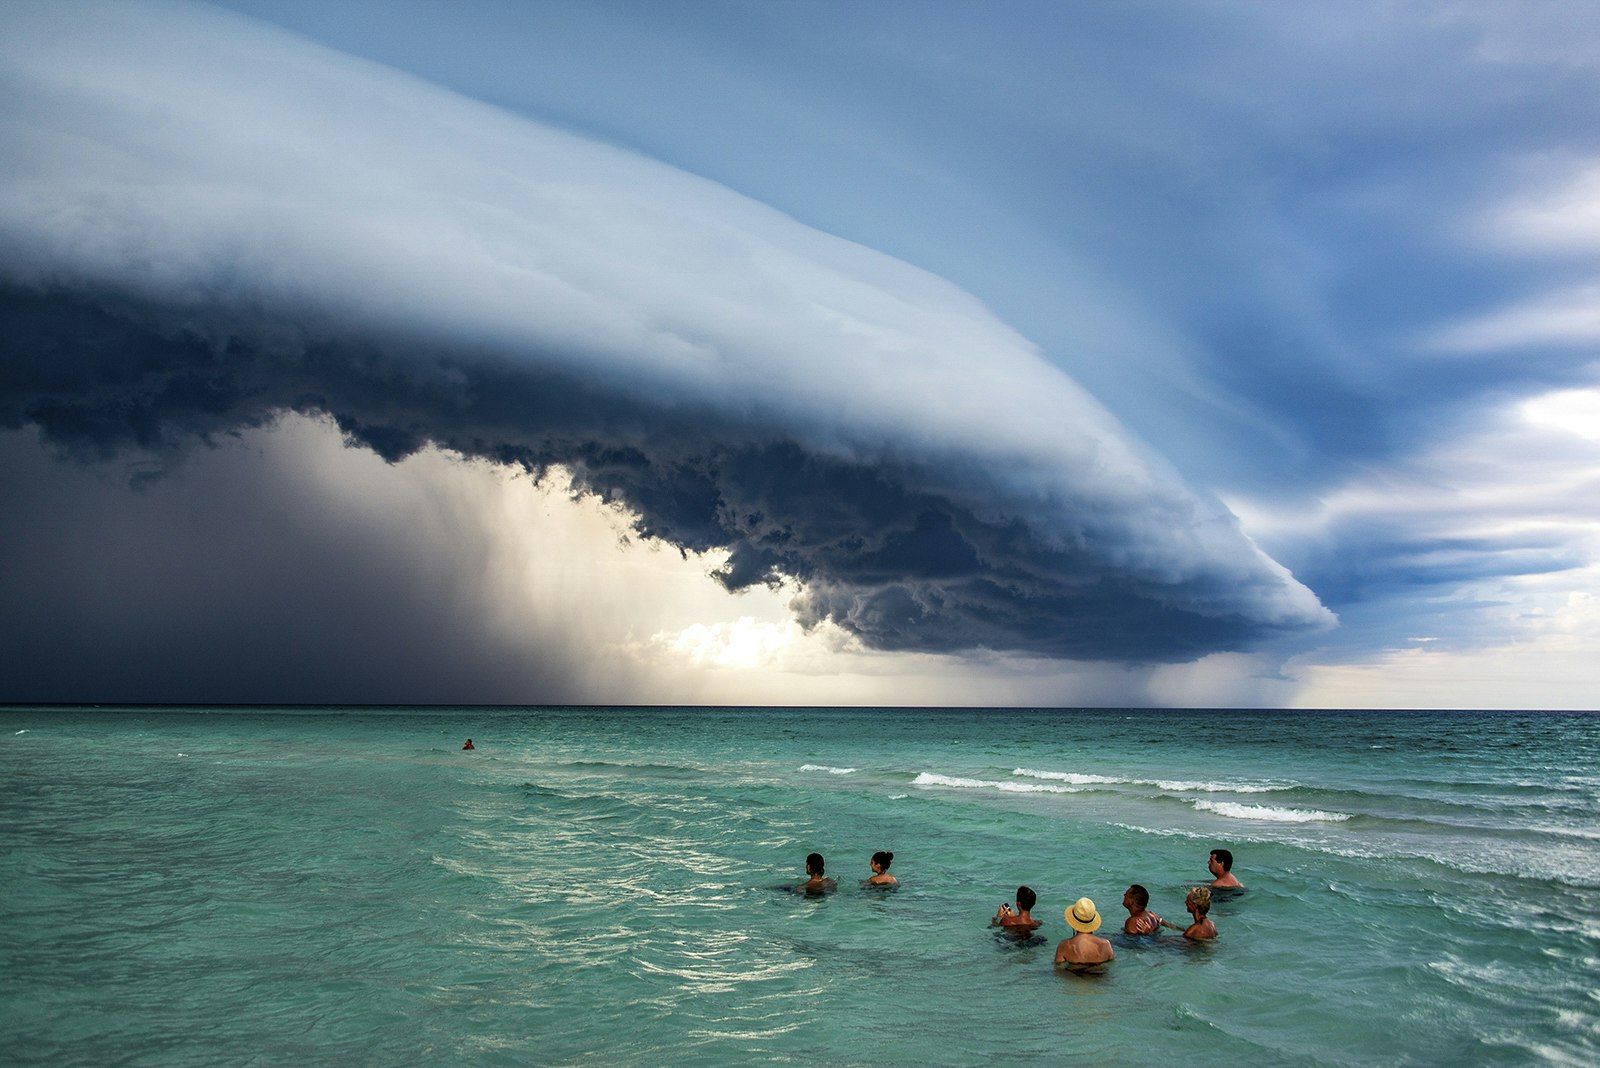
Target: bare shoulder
x,y
1075,951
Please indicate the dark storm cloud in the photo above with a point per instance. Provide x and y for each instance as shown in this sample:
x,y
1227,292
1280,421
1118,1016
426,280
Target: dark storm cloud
x,y
883,548
205,224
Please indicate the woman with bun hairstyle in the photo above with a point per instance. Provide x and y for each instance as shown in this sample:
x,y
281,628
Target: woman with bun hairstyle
x,y
880,870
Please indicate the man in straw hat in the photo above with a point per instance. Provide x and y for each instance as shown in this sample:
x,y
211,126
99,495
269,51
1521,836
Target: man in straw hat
x,y
1084,949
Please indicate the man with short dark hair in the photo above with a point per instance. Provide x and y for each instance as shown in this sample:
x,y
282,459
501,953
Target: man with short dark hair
x,y
1220,864
815,882
1140,921
1022,919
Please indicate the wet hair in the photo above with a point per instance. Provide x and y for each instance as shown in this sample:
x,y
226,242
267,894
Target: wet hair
x,y
1141,896
814,863
882,859
1224,858
1025,898
1200,898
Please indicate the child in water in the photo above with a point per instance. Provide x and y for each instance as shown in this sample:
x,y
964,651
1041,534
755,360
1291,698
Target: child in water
x,y
1199,903
880,870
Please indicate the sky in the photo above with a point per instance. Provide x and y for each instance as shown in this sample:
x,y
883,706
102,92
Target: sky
x,y
1150,353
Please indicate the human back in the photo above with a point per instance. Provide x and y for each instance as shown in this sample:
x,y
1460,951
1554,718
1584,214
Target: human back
x,y
1084,949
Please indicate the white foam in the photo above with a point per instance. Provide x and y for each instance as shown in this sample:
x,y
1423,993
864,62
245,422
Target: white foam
x,y
1073,777
1078,778
1478,975
1163,832
23,731
1568,832
830,771
1277,815
1187,787
929,778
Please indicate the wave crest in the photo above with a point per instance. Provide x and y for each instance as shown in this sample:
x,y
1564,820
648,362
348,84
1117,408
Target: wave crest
x,y
1180,785
1264,812
929,778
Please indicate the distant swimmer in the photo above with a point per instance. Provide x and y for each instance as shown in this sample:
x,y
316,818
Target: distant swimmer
x,y
1141,921
469,745
1199,903
1220,864
1020,919
815,883
1084,949
880,870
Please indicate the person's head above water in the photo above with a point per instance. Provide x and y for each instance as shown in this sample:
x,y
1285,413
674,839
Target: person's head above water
x,y
1224,859
1026,898
1199,900
1138,896
882,860
814,864
1083,916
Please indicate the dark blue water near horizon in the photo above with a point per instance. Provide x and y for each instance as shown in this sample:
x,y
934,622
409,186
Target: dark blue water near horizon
x,y
273,885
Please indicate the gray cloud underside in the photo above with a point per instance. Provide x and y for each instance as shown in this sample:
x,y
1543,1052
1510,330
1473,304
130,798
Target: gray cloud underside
x,y
883,549
314,234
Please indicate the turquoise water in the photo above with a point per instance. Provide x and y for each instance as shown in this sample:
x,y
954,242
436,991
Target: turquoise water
x,y
597,886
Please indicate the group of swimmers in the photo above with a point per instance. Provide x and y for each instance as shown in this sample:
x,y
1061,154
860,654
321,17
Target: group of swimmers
x,y
1084,949
817,883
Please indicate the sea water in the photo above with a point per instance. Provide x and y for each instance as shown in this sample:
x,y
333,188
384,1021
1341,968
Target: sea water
x,y
602,886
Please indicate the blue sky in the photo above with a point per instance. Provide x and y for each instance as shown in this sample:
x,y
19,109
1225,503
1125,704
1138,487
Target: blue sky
x,y
896,353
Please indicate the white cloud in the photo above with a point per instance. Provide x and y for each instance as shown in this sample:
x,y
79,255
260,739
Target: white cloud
x,y
1566,317
1552,216
1542,658
1559,213
1495,534
1576,411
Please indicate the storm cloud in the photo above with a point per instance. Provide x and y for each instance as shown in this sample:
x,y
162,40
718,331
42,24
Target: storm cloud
x,y
205,223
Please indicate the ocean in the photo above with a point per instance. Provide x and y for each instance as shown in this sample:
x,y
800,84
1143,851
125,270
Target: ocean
x,y
604,886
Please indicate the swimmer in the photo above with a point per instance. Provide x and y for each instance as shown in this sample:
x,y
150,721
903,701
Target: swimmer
x,y
1220,865
880,870
1084,949
469,745
1141,921
1199,903
815,883
1021,919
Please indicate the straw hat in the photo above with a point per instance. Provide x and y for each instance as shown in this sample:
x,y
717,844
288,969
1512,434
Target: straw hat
x,y
1083,916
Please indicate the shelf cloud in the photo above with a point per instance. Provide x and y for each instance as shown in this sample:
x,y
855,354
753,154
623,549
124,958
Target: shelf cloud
x,y
205,223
